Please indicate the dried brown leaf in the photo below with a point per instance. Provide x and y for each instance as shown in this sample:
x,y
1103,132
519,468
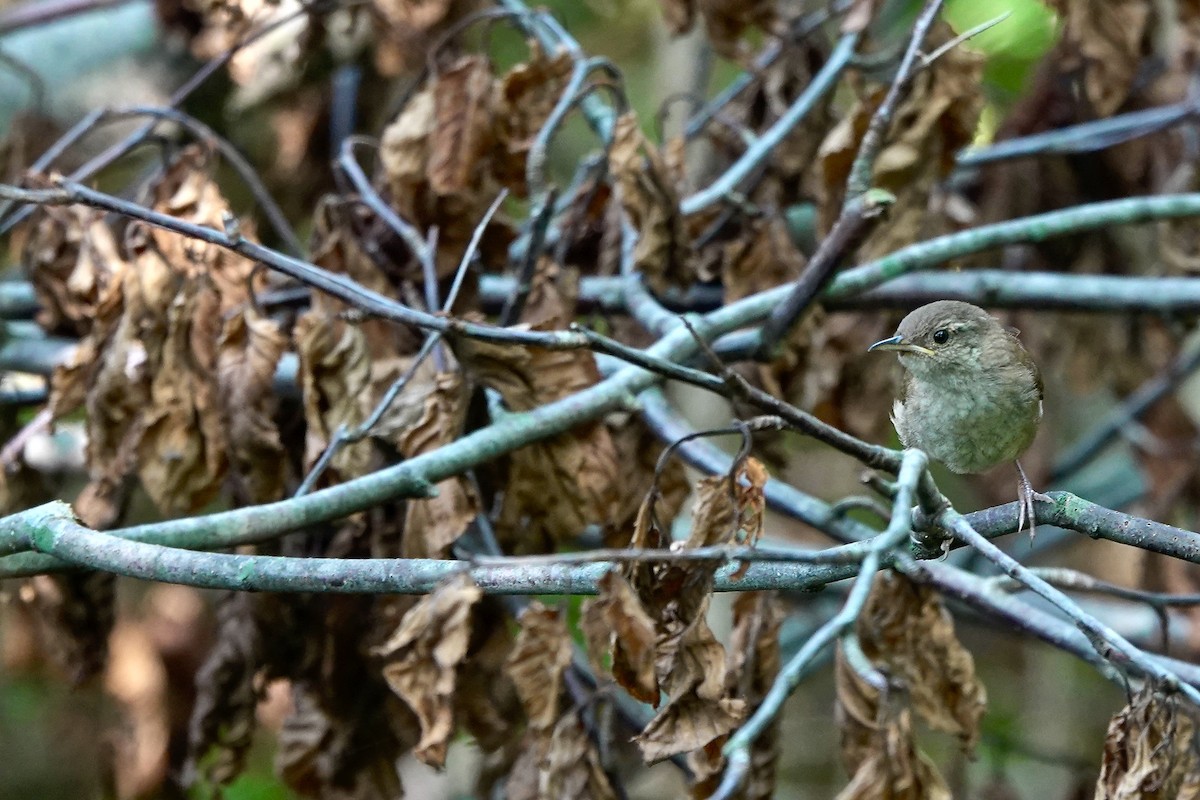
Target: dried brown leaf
x,y
615,622
182,451
753,664
249,350
463,107
559,764
937,119
73,262
538,661
335,377
1106,43
1150,752
405,144
906,631
889,765
688,723
422,659
526,96
432,525
562,484
649,193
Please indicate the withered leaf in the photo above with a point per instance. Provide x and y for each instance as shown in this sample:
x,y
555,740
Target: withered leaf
x,y
559,764
432,525
248,352
463,108
890,767
335,375
527,94
753,664
1105,43
560,485
1150,751
937,118
72,260
182,452
688,723
906,631
649,194
538,661
422,657
404,146
615,622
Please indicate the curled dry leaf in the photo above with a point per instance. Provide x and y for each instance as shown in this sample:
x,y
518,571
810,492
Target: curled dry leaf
x,y
322,754
560,485
615,623
907,632
526,96
335,379
248,352
937,119
1106,43
146,369
649,194
562,764
538,661
463,105
422,657
1150,752
71,257
432,525
689,661
439,156
753,664
886,764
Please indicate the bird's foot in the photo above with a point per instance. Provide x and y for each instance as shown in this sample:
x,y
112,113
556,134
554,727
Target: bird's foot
x,y
1026,496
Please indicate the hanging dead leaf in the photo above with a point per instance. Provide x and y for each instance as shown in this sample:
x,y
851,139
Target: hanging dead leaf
x,y
936,120
907,632
422,657
249,350
753,664
463,109
560,485
526,95
1150,752
182,451
72,259
886,765
335,374
561,764
538,661
434,524
649,194
1105,43
615,623
688,723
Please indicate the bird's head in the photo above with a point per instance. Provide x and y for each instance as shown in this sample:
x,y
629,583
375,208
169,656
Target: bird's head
x,y
947,336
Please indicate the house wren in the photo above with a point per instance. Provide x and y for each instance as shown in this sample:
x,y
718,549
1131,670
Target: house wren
x,y
972,394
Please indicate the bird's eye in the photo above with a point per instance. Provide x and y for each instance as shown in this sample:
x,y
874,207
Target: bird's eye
x,y
941,335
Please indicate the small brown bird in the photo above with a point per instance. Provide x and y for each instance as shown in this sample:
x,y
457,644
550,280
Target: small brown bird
x,y
972,394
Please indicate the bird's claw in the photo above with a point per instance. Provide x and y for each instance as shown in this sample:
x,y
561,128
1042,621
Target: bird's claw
x,y
1026,496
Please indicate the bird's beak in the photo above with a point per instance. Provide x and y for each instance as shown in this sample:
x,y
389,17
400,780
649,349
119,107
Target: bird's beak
x,y
897,343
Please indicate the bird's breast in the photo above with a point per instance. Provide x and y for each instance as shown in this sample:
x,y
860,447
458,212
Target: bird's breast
x,y
969,423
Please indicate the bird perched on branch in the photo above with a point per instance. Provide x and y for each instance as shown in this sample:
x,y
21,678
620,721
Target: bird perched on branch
x,y
972,393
